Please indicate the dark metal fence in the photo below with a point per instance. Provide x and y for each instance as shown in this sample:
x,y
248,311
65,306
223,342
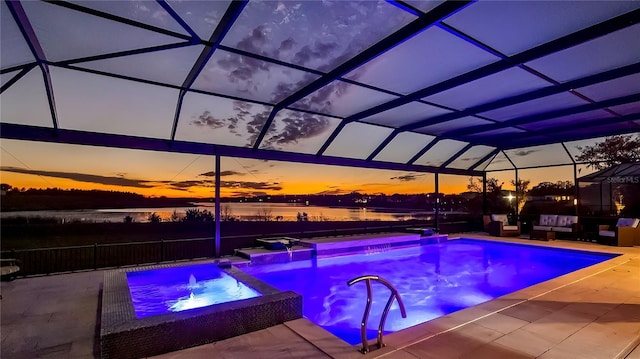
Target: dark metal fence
x,y
99,256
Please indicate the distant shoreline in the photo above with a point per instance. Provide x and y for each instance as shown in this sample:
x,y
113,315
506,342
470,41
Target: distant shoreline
x,y
230,211
57,199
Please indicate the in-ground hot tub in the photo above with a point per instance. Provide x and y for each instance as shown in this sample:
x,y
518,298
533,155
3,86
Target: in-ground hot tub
x,y
157,309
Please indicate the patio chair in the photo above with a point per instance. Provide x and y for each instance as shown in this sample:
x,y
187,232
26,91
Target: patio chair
x,y
9,268
626,233
499,226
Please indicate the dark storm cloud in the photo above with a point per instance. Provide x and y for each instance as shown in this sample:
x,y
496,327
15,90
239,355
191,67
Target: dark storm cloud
x,y
287,45
242,73
303,56
255,126
254,123
298,126
242,108
407,178
255,41
320,100
522,153
83,177
283,90
207,120
241,68
319,50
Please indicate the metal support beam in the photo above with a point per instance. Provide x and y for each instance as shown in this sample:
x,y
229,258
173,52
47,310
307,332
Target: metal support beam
x,y
382,145
112,55
575,178
21,19
17,77
331,137
229,17
617,23
423,151
456,155
547,115
483,159
517,196
434,16
117,18
484,193
178,19
531,95
437,208
217,207
44,134
265,128
509,159
559,133
576,189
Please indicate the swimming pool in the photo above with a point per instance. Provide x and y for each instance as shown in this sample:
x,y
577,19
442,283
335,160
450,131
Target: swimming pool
x,y
156,309
433,280
174,289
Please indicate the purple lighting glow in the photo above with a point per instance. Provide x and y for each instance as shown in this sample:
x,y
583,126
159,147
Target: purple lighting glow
x,y
433,280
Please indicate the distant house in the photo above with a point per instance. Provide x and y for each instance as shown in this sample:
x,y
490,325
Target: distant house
x,y
614,190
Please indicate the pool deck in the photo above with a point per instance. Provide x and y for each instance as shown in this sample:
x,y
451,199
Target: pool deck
x,y
590,313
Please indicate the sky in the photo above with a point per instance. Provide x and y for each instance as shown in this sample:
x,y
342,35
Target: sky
x,y
150,173
314,37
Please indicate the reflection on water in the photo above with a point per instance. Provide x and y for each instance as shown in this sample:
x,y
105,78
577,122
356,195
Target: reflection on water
x,y
242,211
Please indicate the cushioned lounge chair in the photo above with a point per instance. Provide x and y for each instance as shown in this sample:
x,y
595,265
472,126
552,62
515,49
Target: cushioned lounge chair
x,y
626,233
499,226
564,226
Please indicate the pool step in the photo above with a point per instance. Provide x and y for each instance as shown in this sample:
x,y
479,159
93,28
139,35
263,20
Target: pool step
x,y
321,247
261,255
367,243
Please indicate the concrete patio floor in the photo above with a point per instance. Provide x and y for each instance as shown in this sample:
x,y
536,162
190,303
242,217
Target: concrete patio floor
x,y
590,313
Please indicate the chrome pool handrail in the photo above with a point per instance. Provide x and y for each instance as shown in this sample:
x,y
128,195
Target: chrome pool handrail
x,y
363,325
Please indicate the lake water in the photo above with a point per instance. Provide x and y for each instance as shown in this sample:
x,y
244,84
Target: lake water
x,y
242,211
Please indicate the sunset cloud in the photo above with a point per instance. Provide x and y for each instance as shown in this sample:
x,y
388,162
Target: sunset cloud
x,y
407,177
84,177
334,190
274,186
121,181
222,173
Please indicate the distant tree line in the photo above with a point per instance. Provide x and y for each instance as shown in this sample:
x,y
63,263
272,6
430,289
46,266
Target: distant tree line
x,y
32,199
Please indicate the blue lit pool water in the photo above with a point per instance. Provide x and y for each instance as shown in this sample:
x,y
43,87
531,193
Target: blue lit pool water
x,y
433,280
174,289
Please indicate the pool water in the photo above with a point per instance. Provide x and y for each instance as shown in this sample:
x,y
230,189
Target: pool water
x,y
433,280
174,289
